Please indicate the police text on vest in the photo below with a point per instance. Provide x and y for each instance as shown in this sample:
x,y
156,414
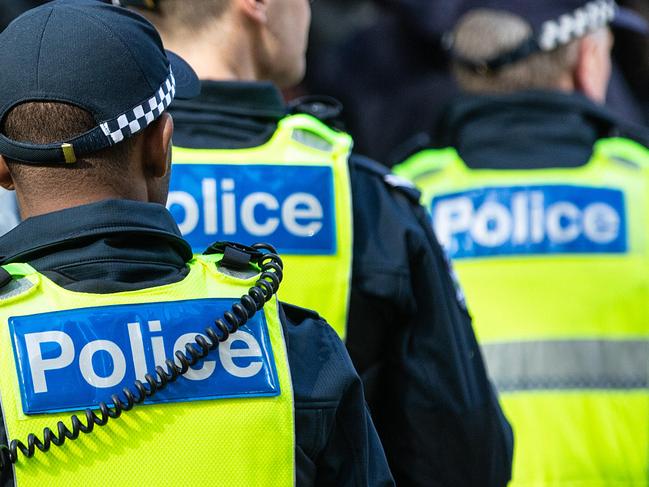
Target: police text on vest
x,y
74,359
289,206
515,220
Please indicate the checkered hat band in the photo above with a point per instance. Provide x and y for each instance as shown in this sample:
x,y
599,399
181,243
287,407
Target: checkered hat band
x,y
568,27
141,116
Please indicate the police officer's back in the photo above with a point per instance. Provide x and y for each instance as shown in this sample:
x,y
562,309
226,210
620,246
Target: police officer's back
x,y
352,234
540,196
98,289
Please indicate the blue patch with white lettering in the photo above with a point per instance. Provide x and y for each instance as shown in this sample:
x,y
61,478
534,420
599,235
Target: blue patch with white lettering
x,y
290,207
71,360
529,220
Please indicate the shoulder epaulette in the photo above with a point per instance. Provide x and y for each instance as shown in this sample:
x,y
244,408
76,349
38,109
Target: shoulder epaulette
x,y
325,108
389,179
297,314
625,150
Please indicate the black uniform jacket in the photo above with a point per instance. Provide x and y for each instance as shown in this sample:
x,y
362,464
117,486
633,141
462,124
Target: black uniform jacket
x,y
408,335
114,246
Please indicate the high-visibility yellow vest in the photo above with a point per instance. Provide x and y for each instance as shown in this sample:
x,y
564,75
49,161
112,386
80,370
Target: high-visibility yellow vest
x,y
292,192
230,423
555,267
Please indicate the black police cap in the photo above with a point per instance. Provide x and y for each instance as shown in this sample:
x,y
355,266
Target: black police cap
x,y
554,23
100,57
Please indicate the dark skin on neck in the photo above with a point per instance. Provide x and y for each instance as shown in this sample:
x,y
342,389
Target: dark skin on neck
x,y
147,179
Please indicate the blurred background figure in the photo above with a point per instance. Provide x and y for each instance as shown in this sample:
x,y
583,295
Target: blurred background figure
x,y
387,61
541,196
9,217
628,96
389,70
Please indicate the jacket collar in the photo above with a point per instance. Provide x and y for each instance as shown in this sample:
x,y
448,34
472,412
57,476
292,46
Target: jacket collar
x,y
532,129
228,115
243,98
121,220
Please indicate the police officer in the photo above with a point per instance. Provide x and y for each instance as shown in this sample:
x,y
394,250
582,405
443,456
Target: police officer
x,y
352,234
99,291
541,197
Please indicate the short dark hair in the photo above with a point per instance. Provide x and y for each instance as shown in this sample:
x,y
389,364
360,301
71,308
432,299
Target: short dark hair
x,y
49,122
174,15
484,33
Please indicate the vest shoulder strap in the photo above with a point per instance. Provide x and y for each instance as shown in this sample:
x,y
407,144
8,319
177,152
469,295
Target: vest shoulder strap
x,y
13,282
624,150
325,108
19,269
426,162
311,132
15,288
390,179
213,261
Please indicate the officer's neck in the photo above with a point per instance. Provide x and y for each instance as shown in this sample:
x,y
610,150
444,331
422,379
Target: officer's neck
x,y
218,57
30,207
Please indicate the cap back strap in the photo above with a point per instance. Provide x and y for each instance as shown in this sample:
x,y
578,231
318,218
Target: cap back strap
x,y
105,135
57,153
527,48
553,34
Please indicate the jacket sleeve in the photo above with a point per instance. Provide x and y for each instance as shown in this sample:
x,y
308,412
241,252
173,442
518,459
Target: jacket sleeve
x,y
336,442
6,474
412,341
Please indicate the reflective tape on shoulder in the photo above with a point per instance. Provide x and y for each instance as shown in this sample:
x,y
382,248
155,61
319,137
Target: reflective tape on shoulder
x,y
14,288
568,364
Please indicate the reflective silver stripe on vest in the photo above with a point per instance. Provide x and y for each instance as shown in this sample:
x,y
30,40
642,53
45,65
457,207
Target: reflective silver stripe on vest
x,y
15,287
568,364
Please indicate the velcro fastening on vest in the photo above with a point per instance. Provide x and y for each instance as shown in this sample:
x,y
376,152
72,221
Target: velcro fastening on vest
x,y
235,258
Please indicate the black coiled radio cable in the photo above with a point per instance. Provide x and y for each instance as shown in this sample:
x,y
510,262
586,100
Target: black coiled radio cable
x,y
264,289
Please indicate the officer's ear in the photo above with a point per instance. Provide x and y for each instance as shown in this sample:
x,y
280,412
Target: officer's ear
x,y
6,181
257,10
157,146
593,68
